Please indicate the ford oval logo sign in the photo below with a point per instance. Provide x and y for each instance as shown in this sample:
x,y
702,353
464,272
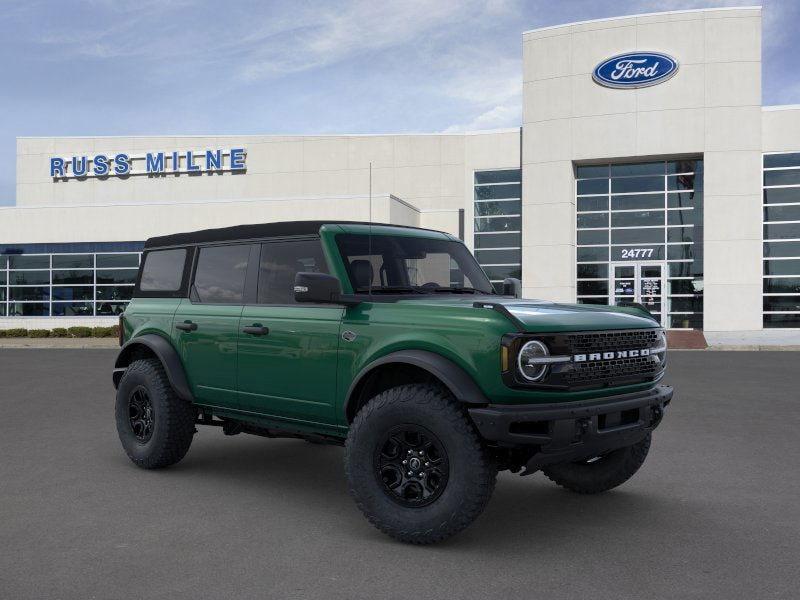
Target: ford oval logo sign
x,y
635,70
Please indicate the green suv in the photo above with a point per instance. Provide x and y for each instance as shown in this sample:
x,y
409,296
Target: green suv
x,y
392,342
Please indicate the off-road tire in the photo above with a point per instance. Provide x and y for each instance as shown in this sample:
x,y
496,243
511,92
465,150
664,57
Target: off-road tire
x,y
472,473
607,472
172,418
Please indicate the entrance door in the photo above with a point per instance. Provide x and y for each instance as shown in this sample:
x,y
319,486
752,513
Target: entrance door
x,y
641,282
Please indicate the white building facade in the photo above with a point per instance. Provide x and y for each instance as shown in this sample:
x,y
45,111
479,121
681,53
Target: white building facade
x,y
659,178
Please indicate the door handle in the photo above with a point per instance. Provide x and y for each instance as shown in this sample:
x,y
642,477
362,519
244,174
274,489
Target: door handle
x,y
186,326
255,329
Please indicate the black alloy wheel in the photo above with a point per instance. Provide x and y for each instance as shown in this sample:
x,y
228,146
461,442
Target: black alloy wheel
x,y
140,414
411,465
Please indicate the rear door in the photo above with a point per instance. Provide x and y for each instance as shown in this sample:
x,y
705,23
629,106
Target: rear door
x,y
207,323
288,352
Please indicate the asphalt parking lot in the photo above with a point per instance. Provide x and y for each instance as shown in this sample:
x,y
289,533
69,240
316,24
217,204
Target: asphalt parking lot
x,y
714,512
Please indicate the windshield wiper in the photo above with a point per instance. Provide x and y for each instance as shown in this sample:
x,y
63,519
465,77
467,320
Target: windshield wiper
x,y
457,290
389,289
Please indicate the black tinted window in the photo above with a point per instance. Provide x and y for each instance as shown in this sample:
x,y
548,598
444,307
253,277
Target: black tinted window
x,y
280,262
163,270
219,277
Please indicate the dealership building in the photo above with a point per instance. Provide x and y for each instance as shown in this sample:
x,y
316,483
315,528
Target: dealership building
x,y
645,169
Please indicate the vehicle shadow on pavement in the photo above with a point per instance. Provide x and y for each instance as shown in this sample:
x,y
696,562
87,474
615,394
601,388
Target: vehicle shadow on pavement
x,y
529,512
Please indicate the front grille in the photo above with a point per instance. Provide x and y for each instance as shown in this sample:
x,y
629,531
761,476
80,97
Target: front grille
x,y
614,370
604,371
584,343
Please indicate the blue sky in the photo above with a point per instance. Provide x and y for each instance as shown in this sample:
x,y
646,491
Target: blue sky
x,y
153,67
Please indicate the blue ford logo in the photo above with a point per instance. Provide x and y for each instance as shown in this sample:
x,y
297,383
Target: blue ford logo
x,y
635,70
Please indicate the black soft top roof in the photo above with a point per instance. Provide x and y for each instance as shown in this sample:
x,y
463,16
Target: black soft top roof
x,y
250,232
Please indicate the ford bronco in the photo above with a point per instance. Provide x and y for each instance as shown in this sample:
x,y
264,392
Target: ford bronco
x,y
392,342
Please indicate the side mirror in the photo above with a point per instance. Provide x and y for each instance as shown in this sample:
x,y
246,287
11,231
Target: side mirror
x,y
319,288
512,287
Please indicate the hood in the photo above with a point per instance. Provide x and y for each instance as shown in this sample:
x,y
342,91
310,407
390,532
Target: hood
x,y
543,315
539,315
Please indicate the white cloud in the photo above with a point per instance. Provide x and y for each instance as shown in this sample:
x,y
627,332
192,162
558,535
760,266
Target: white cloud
x,y
497,117
325,37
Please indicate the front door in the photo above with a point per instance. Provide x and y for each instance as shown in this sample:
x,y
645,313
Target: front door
x,y
641,282
288,352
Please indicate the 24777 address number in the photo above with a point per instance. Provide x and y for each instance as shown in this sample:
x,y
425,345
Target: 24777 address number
x,y
630,253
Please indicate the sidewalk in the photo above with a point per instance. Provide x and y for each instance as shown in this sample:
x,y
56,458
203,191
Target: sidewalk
x,y
765,339
66,343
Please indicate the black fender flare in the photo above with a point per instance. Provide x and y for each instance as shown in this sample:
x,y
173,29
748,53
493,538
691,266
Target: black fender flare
x,y
165,352
458,381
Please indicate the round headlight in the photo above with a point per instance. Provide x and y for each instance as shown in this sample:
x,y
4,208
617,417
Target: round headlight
x,y
661,347
527,362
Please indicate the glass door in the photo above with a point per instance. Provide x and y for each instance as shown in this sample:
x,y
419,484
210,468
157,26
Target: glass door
x,y
641,282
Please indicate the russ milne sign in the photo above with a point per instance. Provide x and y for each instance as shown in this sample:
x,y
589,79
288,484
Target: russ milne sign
x,y
635,70
152,163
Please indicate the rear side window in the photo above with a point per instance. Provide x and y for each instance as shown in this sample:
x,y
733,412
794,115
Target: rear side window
x,y
162,270
220,274
280,262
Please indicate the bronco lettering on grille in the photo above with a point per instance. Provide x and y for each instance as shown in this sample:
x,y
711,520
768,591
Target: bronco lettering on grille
x,y
610,355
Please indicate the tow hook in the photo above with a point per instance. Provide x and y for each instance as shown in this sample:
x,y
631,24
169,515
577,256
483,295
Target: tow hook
x,y
657,414
581,427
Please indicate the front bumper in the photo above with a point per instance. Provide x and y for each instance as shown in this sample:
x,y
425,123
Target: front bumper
x,y
566,432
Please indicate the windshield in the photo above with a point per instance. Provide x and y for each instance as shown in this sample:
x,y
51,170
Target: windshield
x,y
401,264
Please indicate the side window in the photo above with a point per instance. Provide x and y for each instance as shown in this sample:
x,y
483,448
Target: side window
x,y
162,270
220,273
280,262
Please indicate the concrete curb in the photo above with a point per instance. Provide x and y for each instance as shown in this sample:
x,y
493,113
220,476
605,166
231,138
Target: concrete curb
x,y
56,343
753,347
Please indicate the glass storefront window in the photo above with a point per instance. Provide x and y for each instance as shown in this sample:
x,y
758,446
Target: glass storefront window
x,y
73,261
29,293
781,287
496,240
592,171
108,261
593,220
637,184
500,273
116,275
110,308
24,261
788,195
593,186
28,309
629,169
72,292
498,223
790,266
114,292
79,277
29,277
592,271
499,257
649,216
499,176
505,207
72,309
66,284
498,191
